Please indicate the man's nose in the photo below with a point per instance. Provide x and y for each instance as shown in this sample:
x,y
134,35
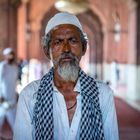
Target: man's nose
x,y
66,47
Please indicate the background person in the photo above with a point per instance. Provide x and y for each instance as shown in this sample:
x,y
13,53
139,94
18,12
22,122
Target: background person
x,y
8,81
115,75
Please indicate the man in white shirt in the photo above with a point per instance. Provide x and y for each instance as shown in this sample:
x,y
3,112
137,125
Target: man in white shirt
x,y
8,80
66,104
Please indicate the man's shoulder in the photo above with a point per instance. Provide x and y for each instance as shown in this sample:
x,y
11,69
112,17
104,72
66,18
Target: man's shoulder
x,y
2,63
30,88
101,83
103,88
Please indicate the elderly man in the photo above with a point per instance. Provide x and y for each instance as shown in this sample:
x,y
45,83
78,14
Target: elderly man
x,y
8,81
66,104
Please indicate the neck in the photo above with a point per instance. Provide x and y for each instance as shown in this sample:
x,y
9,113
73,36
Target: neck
x,y
10,61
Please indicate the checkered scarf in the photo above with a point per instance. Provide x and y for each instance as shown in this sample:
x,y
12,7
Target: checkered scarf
x,y
91,127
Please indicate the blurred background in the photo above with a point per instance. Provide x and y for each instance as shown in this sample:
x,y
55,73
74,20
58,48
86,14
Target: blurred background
x,y
113,54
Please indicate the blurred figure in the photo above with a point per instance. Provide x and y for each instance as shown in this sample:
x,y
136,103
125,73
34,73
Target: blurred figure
x,y
8,79
114,74
35,70
20,67
108,83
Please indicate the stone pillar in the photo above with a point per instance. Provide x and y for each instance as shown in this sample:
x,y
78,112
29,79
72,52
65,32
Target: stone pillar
x,y
35,42
8,25
133,71
21,29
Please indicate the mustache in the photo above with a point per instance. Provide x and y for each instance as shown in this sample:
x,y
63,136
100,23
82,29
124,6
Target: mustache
x,y
68,55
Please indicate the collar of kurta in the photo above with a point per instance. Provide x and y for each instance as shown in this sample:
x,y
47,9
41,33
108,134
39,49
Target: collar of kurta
x,y
91,126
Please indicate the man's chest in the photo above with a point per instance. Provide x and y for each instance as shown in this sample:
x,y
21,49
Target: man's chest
x,y
66,123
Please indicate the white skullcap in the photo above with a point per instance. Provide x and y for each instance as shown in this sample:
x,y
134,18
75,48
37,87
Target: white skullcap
x,y
7,51
62,18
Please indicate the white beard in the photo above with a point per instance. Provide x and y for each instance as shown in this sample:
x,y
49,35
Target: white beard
x,y
69,72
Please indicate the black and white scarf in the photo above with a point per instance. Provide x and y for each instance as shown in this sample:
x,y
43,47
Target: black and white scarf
x,y
91,126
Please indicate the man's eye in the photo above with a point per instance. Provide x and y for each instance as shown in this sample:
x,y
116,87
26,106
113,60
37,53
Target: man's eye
x,y
73,40
57,42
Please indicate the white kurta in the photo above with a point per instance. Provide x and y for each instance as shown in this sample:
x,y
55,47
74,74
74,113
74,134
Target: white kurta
x,y
8,79
62,130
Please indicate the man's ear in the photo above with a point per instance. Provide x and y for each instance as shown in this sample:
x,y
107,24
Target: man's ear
x,y
84,50
47,53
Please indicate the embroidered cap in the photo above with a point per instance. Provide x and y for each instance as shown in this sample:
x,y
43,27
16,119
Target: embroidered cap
x,y
63,18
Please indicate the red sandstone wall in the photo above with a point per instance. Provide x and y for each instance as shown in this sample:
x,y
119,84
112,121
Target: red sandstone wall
x,y
8,25
103,9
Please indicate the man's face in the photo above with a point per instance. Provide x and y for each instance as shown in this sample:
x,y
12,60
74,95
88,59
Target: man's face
x,y
10,57
66,48
65,41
